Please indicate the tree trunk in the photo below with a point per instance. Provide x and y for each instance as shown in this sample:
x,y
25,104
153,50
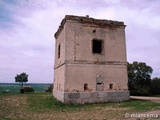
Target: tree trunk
x,y
22,89
22,84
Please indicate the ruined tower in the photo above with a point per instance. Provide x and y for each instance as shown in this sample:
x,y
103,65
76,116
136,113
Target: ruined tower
x,y
90,61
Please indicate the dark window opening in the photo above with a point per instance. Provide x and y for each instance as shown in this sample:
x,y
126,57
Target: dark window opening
x,y
97,46
99,83
94,31
59,50
110,86
85,86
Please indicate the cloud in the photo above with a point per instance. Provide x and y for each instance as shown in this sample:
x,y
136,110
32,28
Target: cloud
x,y
28,46
27,30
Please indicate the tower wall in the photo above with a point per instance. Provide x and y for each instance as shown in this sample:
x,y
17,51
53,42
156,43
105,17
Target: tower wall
x,y
90,61
79,41
79,74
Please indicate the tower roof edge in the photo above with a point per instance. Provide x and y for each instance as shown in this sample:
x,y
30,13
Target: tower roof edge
x,y
89,20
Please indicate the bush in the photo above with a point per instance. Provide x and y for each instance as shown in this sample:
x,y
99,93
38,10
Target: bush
x,y
50,88
5,91
155,84
28,89
22,90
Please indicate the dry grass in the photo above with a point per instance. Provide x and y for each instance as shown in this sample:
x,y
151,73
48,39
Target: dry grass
x,y
42,106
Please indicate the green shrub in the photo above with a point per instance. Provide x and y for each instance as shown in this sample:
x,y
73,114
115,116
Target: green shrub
x,y
21,90
28,89
5,91
50,88
155,85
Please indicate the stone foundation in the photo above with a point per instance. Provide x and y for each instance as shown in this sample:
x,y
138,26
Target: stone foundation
x,y
91,97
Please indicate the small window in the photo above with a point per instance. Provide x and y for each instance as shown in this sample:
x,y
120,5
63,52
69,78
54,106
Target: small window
x,y
85,86
99,83
59,50
110,86
97,46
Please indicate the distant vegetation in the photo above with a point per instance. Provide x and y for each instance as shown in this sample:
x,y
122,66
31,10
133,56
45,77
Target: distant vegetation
x,y
14,87
139,80
28,89
155,86
50,88
23,77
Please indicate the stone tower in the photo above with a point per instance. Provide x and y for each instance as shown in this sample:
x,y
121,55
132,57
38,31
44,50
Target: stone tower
x,y
90,61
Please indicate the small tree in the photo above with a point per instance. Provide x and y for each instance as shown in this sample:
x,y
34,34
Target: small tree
x,y
23,77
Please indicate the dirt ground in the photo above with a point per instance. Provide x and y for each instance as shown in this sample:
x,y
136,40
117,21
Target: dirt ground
x,y
154,99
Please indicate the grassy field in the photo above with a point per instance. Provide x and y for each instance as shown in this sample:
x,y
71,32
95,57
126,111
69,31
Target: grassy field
x,y
42,106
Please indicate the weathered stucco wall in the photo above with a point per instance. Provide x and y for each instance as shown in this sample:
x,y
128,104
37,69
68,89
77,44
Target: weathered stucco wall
x,y
80,71
79,43
59,78
60,41
79,74
59,66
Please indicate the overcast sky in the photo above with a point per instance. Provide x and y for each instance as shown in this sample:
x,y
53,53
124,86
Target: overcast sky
x,y
27,30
